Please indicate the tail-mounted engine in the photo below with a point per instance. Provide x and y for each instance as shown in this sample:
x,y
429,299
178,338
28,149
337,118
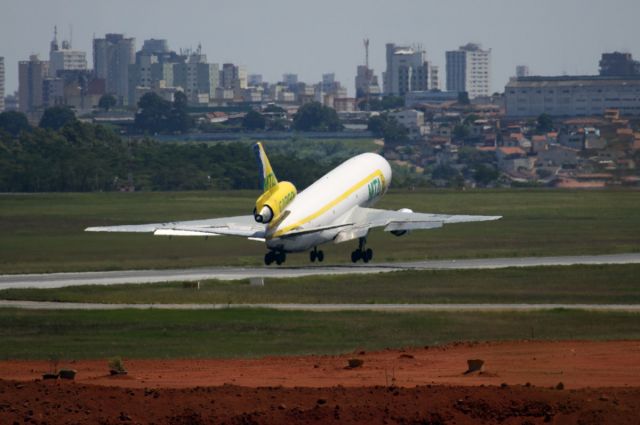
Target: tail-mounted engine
x,y
273,202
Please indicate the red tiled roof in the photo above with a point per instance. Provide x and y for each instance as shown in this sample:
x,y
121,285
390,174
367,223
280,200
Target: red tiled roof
x,y
512,151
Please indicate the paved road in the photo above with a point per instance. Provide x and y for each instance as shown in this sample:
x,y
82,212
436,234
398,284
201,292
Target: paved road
x,y
57,280
47,305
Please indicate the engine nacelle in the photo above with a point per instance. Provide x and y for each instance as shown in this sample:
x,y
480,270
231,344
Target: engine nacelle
x,y
272,203
402,232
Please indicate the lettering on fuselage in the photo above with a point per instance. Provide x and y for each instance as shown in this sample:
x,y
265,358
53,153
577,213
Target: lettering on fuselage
x,y
375,188
282,203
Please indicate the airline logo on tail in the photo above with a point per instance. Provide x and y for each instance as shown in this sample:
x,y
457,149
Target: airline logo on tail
x,y
268,178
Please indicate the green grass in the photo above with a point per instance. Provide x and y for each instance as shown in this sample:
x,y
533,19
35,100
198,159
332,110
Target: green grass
x,y
44,232
610,284
70,335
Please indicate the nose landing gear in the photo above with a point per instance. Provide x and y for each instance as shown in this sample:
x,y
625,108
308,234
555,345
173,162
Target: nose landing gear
x,y
361,253
316,254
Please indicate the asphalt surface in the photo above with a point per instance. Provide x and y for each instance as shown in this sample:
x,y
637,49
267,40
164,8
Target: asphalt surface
x,y
58,280
50,305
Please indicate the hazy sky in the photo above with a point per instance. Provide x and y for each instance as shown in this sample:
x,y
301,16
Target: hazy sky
x,y
314,37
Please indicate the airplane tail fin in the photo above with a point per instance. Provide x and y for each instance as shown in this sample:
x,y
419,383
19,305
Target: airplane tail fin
x,y
267,176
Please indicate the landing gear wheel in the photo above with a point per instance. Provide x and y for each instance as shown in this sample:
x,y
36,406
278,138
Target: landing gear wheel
x,y
364,256
269,258
355,256
320,256
368,255
281,257
312,256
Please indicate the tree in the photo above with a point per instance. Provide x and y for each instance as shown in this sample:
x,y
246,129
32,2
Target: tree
x,y
254,121
272,108
389,129
461,131
107,101
314,116
376,124
545,123
485,174
179,121
154,113
14,122
56,117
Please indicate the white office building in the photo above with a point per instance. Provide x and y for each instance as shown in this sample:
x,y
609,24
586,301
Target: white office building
x,y
407,70
572,95
469,70
63,58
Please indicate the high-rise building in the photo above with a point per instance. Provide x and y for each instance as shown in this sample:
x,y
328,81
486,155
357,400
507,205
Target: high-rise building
x,y
112,56
522,71
154,70
63,58
1,84
407,70
197,77
155,46
618,64
290,80
254,80
366,82
233,77
31,75
469,70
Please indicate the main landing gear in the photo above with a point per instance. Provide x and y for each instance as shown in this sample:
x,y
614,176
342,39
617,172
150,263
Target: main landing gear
x,y
315,254
361,253
278,257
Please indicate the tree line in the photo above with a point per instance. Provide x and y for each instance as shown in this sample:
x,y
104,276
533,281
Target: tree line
x,y
64,154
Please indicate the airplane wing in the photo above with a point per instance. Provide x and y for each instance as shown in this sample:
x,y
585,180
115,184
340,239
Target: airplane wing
x,y
244,225
364,219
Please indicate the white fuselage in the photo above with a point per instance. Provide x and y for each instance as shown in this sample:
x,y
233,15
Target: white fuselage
x,y
328,202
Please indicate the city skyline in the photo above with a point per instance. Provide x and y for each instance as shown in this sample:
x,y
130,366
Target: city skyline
x,y
551,38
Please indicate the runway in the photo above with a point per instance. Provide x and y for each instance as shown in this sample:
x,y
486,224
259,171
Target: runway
x,y
398,308
58,280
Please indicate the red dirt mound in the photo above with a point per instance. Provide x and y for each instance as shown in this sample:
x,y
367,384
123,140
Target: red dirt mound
x,y
597,382
577,364
51,402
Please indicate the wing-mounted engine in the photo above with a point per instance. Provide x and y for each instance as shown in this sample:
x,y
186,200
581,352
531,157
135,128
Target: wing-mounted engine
x,y
273,202
402,232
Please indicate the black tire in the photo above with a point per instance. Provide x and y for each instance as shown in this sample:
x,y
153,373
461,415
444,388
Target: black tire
x,y
369,254
355,256
320,256
281,257
312,256
268,258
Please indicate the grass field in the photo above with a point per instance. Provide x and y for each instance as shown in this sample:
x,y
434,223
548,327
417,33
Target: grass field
x,y
611,284
253,333
44,232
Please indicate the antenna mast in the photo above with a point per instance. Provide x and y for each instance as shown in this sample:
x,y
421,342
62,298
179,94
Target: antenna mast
x,y
366,62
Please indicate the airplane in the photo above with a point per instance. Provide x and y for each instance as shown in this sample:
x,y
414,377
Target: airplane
x,y
336,208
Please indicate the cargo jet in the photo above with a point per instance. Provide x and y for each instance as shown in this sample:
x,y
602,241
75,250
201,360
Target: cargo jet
x,y
334,208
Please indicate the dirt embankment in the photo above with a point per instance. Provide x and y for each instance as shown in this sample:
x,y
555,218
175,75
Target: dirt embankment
x,y
566,382
54,403
577,364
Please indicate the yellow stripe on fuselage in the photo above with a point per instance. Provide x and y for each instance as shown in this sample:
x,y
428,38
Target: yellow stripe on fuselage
x,y
332,204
